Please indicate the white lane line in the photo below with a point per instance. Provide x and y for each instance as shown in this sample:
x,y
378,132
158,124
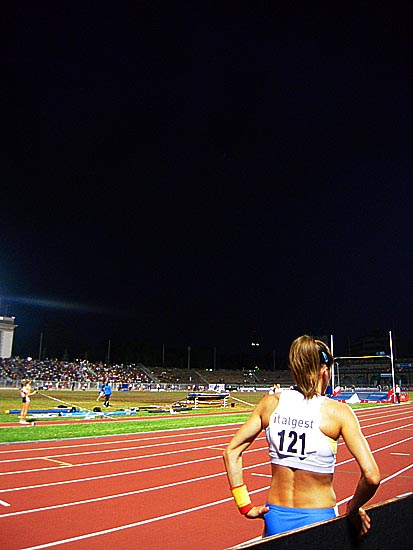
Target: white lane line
x,y
127,494
144,447
4,503
127,526
113,460
142,470
382,481
119,474
390,430
84,464
102,462
168,516
378,412
117,450
200,436
107,476
119,441
153,455
386,422
378,450
136,524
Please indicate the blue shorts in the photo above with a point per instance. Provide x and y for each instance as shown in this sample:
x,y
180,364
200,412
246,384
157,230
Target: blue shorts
x,y
280,519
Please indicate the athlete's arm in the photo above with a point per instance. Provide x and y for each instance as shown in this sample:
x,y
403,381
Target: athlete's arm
x,y
369,472
238,444
233,453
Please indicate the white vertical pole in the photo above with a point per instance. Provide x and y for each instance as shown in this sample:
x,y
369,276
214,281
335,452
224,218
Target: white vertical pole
x,y
392,366
332,366
40,346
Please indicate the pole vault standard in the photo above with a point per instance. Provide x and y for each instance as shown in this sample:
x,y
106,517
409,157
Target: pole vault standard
x,y
392,364
368,357
391,357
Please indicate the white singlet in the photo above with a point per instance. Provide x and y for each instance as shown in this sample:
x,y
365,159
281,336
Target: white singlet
x,y
294,436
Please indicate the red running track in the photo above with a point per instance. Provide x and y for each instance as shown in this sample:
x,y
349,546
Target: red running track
x,y
164,490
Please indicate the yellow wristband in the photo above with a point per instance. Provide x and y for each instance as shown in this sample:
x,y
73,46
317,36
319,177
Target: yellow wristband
x,y
242,498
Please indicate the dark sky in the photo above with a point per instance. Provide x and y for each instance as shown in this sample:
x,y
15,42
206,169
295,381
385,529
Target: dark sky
x,y
206,173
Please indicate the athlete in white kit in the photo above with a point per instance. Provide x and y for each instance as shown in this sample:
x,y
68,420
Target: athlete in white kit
x,y
302,428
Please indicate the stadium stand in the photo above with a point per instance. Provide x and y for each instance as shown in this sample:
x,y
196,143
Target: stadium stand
x,y
58,374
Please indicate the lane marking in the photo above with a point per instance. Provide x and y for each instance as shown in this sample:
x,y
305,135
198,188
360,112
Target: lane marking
x,y
141,457
401,454
158,454
111,461
150,446
386,422
128,472
107,476
166,516
4,503
200,432
129,493
179,483
57,461
381,483
136,524
119,449
150,456
378,450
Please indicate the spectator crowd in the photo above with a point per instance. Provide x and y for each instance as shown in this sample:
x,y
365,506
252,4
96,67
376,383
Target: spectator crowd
x,y
66,374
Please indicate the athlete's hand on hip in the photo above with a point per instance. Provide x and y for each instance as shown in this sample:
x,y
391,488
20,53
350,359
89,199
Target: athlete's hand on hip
x,y
257,512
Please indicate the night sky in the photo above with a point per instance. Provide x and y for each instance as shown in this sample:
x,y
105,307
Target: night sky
x,y
207,174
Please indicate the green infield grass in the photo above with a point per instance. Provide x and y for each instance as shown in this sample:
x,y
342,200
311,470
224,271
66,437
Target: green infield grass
x,y
152,414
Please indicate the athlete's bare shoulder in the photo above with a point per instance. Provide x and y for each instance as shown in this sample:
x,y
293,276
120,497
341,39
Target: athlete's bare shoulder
x,y
335,415
333,407
267,406
269,400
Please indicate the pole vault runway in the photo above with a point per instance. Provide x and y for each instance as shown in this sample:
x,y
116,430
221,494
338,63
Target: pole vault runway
x,y
165,490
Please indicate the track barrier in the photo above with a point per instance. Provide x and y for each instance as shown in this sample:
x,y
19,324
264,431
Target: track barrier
x,y
390,526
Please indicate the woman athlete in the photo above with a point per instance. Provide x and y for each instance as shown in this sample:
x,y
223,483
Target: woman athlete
x,y
25,393
302,428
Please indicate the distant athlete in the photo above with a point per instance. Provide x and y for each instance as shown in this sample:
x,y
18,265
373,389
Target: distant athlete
x,y
302,428
107,390
25,393
398,391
